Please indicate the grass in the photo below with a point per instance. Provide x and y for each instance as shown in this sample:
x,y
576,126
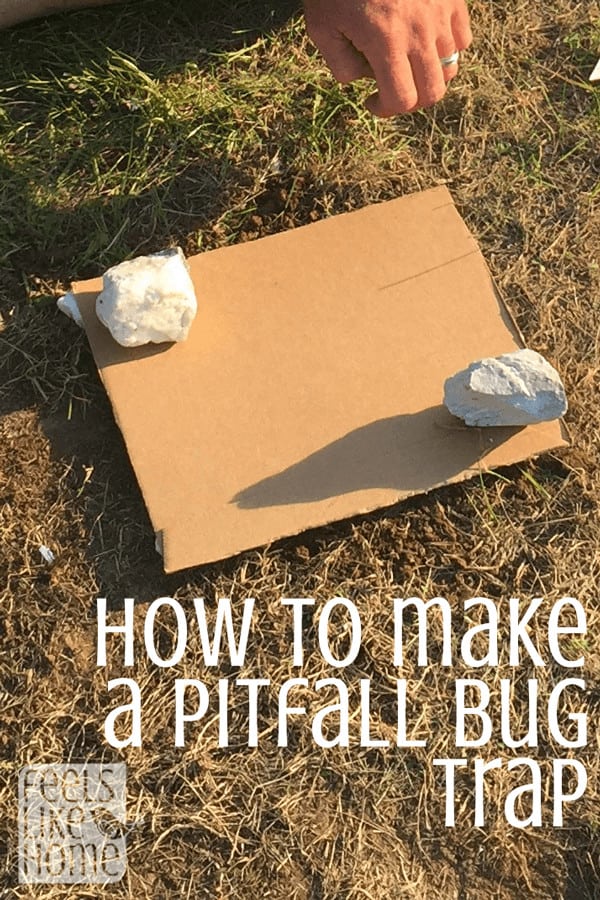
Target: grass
x,y
128,129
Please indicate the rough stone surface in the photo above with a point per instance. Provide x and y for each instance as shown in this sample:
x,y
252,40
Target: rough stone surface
x,y
68,306
518,388
149,299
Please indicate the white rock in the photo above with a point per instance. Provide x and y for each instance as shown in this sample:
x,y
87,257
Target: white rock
x,y
68,306
149,299
518,388
595,76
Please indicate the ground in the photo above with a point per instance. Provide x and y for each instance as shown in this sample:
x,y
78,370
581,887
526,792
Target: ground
x,y
129,129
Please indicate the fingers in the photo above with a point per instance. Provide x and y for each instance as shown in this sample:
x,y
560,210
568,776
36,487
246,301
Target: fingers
x,y
401,47
446,46
397,92
429,76
461,28
344,60
418,79
449,72
411,83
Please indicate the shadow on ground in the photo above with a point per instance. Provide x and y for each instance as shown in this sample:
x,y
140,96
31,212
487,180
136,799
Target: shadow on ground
x,y
192,187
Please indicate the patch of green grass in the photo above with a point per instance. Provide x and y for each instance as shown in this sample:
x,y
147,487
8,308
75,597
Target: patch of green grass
x,y
100,142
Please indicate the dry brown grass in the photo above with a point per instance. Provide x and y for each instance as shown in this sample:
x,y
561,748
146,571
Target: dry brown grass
x,y
517,141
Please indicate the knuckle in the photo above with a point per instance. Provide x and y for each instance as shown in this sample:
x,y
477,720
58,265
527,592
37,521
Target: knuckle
x,y
461,30
401,104
409,102
432,96
463,40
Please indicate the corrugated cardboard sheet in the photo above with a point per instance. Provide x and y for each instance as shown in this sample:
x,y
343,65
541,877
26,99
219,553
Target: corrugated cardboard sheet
x,y
310,387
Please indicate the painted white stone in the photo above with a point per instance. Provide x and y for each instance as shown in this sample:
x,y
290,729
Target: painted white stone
x,y
595,76
68,306
149,299
518,388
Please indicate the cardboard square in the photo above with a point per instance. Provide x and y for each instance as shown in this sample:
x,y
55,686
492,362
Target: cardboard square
x,y
310,387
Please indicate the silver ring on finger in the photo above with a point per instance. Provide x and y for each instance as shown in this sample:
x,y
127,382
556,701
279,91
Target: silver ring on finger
x,y
451,60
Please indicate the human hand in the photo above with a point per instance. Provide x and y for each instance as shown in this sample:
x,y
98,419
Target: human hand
x,y
399,43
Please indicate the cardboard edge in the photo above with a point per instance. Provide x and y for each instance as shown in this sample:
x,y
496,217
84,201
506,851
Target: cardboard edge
x,y
85,287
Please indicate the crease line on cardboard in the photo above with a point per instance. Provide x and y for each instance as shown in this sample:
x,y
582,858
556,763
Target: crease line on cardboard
x,y
449,262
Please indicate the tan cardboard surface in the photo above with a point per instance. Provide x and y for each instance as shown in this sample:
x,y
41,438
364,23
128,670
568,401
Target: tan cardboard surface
x,y
310,387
